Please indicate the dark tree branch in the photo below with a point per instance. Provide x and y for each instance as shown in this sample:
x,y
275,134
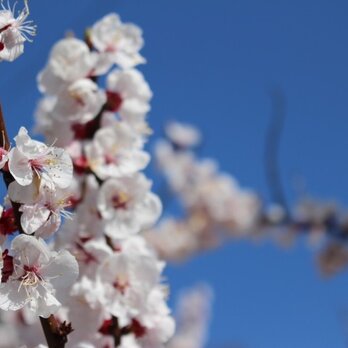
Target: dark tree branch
x,y
56,333
116,331
7,177
4,141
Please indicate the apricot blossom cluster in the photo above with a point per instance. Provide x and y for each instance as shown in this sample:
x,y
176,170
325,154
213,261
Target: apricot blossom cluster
x,y
118,298
34,277
216,208
98,272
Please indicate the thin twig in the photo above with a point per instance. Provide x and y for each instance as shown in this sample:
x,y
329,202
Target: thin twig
x,y
116,331
7,177
273,137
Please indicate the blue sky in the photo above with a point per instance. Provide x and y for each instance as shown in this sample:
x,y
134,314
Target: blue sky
x,y
212,63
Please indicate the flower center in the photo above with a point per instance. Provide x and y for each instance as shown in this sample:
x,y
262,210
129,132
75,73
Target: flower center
x,y
83,255
121,283
31,276
120,200
77,97
110,159
37,164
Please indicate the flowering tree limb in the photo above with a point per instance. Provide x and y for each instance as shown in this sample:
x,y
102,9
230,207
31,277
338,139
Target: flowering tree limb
x,y
55,333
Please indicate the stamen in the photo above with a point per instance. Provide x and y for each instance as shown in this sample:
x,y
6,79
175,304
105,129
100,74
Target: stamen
x,y
121,283
120,200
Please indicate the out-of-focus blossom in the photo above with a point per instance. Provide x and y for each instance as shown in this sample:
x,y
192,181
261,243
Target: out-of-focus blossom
x,y
333,258
182,135
129,94
80,102
193,316
119,42
214,203
69,61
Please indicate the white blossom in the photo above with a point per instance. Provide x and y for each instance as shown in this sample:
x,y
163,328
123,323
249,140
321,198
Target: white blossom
x,y
42,215
55,130
79,102
128,277
121,42
69,61
31,158
157,326
114,152
182,135
14,31
129,94
127,205
40,278
193,315
129,85
86,309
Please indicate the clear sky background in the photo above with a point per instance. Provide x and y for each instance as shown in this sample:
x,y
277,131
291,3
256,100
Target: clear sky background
x,y
212,63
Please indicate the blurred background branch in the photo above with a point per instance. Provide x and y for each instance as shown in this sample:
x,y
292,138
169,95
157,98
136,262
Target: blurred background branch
x,y
272,146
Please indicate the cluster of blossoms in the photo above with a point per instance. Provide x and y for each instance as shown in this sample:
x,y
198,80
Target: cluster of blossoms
x,y
212,201
98,272
104,131
216,207
34,275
